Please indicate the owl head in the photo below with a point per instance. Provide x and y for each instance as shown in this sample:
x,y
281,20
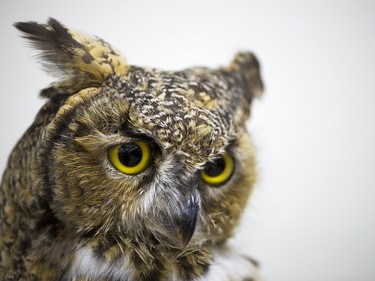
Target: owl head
x,y
141,153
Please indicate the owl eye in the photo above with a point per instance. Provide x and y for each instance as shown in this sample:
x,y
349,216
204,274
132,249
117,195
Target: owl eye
x,y
219,171
130,158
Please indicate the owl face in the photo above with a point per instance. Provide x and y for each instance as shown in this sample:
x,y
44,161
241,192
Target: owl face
x,y
140,153
128,161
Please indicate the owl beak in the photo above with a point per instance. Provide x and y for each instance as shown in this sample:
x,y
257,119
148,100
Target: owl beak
x,y
187,220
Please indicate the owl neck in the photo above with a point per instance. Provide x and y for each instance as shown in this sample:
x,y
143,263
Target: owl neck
x,y
140,260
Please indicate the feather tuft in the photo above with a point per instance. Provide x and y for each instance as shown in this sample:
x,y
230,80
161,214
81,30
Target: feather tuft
x,y
78,60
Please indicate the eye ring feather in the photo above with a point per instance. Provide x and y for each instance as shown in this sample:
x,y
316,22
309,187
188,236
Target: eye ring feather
x,y
219,171
131,158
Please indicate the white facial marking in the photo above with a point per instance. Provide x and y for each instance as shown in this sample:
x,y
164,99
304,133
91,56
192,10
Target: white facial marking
x,y
91,267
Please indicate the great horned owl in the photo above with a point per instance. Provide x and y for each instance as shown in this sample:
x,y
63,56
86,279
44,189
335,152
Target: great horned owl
x,y
128,173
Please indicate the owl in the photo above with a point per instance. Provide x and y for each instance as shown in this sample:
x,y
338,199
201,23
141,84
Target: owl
x,y
128,173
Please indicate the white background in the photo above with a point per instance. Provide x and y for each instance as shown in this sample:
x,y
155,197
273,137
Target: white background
x,y
312,217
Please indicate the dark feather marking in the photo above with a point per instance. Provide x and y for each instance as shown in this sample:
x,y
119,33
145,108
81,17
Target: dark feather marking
x,y
58,135
48,39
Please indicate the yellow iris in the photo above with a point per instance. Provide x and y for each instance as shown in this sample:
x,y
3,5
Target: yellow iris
x,y
130,158
219,171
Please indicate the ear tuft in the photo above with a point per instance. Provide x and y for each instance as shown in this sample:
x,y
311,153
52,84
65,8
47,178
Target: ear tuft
x,y
247,66
78,60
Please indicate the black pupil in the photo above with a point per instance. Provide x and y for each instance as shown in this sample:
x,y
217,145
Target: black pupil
x,y
130,154
216,168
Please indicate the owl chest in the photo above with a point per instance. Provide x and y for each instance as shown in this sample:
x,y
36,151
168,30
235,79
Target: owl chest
x,y
225,266
89,266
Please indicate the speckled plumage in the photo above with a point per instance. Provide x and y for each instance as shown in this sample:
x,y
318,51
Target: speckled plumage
x,y
67,214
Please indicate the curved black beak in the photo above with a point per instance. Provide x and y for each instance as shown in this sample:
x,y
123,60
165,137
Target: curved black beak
x,y
187,219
